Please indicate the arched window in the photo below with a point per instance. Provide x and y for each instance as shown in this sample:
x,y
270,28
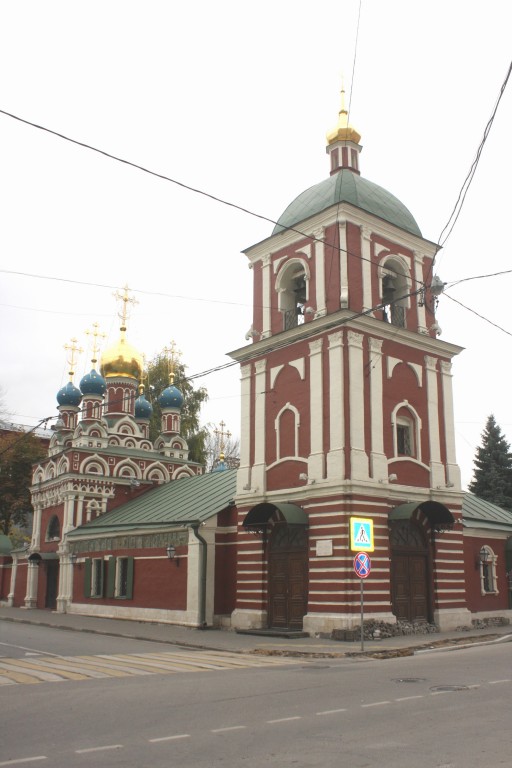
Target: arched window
x,y
395,291
487,562
406,431
293,293
53,530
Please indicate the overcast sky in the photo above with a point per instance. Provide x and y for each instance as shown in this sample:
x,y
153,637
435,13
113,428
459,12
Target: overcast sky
x,y
235,99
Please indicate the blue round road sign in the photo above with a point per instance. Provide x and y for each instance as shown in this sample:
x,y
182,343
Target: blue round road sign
x,y
362,565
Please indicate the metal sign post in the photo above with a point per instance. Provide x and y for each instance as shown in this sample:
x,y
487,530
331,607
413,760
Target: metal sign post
x,y
362,568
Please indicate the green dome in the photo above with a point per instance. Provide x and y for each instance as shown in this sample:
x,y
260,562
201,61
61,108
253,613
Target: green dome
x,y
348,187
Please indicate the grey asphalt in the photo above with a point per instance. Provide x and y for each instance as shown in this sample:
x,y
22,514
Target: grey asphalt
x,y
234,642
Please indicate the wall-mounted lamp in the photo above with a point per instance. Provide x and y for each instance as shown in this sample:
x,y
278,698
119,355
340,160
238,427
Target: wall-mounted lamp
x,y
171,551
484,556
73,558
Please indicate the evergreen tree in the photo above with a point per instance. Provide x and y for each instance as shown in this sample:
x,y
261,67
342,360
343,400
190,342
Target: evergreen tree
x,y
492,477
158,379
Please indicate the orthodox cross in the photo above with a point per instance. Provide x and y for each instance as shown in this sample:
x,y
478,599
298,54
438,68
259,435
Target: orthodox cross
x,y
95,333
74,351
126,299
221,435
173,356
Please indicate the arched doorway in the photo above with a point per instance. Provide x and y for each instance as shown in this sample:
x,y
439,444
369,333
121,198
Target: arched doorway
x,y
287,576
410,583
283,527
413,527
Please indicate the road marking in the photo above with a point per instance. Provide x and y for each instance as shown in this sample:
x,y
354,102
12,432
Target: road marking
x,y
376,704
331,711
497,682
170,738
409,698
33,650
284,719
230,728
24,760
97,749
59,668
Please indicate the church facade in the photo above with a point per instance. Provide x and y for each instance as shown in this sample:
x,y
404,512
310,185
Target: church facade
x,y
347,450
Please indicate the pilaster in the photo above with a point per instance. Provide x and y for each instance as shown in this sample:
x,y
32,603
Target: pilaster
x,y
358,456
336,454
344,293
321,308
437,475
378,459
316,406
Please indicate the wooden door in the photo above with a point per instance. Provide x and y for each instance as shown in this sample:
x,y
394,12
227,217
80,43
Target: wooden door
x,y
52,582
410,592
287,583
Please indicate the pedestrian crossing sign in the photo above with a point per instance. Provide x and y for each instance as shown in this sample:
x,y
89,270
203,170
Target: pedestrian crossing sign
x,y
361,534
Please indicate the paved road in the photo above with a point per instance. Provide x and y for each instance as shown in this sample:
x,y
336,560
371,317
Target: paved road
x,y
442,710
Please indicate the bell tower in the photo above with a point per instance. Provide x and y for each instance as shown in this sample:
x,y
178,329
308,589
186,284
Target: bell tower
x,y
347,405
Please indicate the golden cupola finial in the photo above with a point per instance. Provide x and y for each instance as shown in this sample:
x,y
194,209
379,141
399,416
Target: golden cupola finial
x,y
122,359
173,357
343,131
74,350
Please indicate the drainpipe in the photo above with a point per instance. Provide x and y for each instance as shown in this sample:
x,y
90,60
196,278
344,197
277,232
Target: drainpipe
x,y
202,576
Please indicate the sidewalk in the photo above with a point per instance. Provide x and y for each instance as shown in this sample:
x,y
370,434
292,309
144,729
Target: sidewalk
x,y
231,641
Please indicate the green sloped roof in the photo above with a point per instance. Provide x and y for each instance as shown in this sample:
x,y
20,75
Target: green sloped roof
x,y
478,513
347,187
190,499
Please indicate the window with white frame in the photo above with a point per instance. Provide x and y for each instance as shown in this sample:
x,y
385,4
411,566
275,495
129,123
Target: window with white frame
x,y
405,436
121,587
97,577
488,580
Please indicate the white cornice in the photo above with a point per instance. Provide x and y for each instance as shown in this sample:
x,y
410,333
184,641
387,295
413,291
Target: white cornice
x,y
346,318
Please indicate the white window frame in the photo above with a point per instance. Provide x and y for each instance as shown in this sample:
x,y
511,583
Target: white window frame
x,y
488,570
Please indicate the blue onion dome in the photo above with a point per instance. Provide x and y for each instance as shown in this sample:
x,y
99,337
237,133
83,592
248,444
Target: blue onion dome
x,y
93,383
171,397
143,408
69,395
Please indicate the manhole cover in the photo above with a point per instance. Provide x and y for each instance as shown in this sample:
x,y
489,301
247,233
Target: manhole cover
x,y
410,680
448,688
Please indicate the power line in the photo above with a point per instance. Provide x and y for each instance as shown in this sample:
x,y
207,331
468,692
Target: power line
x,y
469,178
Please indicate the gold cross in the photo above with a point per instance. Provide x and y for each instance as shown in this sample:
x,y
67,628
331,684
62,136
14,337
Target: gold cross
x,y
126,299
95,333
221,434
75,350
173,357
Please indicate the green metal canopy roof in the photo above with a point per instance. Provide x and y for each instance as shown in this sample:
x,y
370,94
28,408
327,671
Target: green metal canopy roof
x,y
180,502
478,513
348,187
284,511
436,512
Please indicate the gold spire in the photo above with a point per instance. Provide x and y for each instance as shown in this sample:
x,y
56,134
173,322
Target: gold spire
x,y
173,357
95,333
343,131
74,350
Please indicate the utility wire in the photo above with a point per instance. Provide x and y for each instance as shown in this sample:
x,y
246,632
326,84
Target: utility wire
x,y
469,178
